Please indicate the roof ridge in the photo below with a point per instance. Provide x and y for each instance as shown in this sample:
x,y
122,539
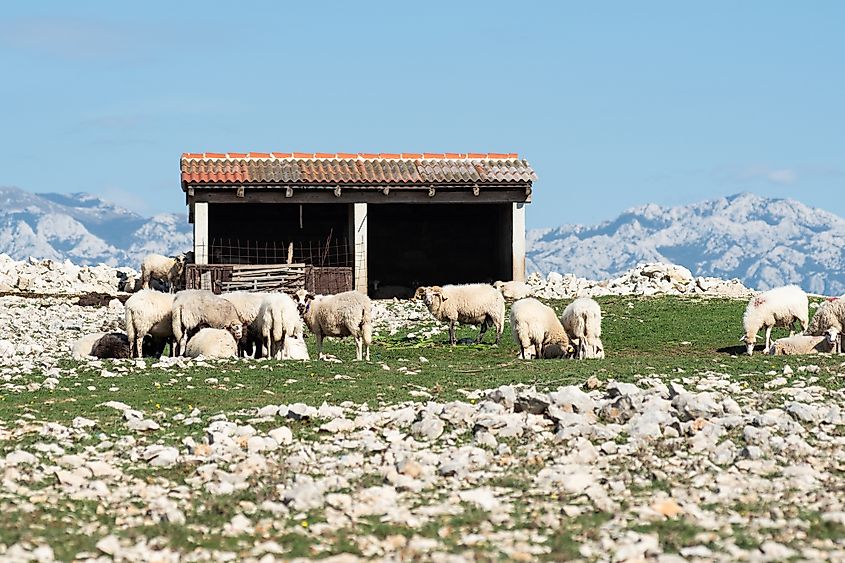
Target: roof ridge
x,y
346,156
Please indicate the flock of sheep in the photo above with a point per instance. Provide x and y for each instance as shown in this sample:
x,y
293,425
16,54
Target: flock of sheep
x,y
270,325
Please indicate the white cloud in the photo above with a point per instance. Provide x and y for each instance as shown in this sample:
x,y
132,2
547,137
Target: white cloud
x,y
781,176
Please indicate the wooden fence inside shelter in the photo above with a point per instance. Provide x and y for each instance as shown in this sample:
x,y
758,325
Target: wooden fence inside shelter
x,y
288,278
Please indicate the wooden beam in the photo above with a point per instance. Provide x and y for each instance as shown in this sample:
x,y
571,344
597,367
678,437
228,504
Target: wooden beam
x,y
441,195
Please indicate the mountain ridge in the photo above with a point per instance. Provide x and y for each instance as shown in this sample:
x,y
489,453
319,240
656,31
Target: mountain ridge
x,y
765,242
85,229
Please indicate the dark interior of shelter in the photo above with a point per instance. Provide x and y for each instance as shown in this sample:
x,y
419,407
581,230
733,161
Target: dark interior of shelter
x,y
412,245
409,245
262,233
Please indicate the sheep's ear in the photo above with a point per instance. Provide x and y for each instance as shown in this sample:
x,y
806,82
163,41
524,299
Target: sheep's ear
x,y
742,338
309,296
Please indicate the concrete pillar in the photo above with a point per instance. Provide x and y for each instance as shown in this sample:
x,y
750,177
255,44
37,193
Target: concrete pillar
x,y
359,235
518,241
201,233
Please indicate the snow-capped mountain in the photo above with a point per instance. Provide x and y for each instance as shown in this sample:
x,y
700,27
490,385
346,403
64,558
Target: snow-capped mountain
x,y
85,229
763,242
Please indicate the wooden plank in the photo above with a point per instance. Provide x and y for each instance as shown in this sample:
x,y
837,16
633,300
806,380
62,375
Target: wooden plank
x,y
396,195
265,275
237,267
228,286
250,275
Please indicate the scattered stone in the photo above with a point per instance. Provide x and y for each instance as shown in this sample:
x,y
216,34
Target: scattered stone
x,y
160,456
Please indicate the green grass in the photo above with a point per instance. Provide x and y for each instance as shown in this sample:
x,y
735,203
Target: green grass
x,y
642,337
664,336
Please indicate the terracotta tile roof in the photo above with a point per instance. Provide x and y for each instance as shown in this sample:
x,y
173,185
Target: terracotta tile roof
x,y
352,168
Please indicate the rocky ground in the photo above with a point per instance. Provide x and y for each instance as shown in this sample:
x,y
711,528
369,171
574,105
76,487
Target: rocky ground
x,y
51,277
645,279
670,467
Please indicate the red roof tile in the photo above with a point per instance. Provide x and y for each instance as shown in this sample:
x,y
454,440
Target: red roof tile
x,y
355,168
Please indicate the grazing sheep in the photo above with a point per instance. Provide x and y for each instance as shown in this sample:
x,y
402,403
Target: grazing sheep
x,y
248,306
419,294
111,345
800,344
834,338
514,290
829,315
344,314
582,321
81,349
475,304
536,325
278,318
193,308
212,343
148,312
779,307
168,269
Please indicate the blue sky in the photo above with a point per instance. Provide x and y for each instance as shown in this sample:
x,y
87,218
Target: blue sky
x,y
615,104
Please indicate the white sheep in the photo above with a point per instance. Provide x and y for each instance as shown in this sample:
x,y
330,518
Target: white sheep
x,y
345,314
278,318
800,344
197,308
295,348
536,325
779,307
475,304
582,321
829,315
148,312
212,343
81,349
514,290
248,306
169,269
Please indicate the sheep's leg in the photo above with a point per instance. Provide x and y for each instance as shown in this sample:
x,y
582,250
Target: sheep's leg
x,y
279,348
319,338
359,351
538,350
481,332
768,340
452,339
266,344
137,345
282,351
